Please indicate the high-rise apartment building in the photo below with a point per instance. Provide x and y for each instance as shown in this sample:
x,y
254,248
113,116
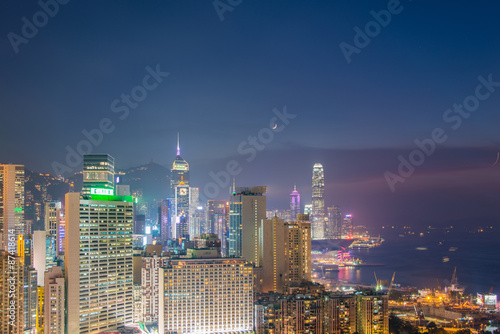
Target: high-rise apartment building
x,y
179,171
30,298
11,205
206,296
98,174
44,253
340,314
150,286
25,253
40,291
98,262
372,316
11,293
247,209
302,313
52,216
53,319
286,253
318,202
61,234
298,251
295,203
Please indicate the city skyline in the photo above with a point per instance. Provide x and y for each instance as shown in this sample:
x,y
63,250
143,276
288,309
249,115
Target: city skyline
x,y
252,167
219,84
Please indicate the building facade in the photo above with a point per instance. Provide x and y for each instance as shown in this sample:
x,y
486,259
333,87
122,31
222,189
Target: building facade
x,y
179,171
164,219
54,301
295,204
318,202
98,174
11,204
181,211
247,209
334,223
98,262
217,223
206,296
11,293
372,316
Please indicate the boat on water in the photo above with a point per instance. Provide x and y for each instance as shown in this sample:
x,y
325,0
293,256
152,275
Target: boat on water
x,y
366,243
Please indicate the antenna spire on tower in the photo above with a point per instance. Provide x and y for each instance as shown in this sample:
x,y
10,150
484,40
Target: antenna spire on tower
x,y
178,146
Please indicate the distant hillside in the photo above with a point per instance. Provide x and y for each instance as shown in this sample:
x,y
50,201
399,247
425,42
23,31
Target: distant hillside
x,y
37,184
152,180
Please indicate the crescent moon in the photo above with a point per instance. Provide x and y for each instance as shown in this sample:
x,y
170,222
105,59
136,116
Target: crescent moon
x,y
276,125
498,156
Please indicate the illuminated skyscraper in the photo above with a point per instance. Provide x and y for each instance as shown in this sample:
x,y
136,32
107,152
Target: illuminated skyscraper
x,y
308,209
11,204
295,203
340,314
181,211
61,228
53,319
217,223
197,214
30,298
25,252
164,220
372,314
52,216
287,253
347,227
11,293
150,286
302,313
247,209
44,253
99,174
98,262
334,224
180,170
318,202
206,296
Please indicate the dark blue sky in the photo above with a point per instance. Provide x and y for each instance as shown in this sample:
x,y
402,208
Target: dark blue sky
x,y
227,76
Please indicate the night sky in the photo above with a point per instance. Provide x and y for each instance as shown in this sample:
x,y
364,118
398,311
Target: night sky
x,y
225,78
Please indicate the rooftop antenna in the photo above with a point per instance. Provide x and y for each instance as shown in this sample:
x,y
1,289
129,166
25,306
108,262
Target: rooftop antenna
x,y
178,146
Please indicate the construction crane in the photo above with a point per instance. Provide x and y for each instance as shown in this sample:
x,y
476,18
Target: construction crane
x,y
491,290
390,286
418,316
439,285
376,281
454,276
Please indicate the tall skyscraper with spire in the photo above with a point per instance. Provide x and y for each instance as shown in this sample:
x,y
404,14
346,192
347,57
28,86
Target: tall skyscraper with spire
x,y
180,170
318,202
295,203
